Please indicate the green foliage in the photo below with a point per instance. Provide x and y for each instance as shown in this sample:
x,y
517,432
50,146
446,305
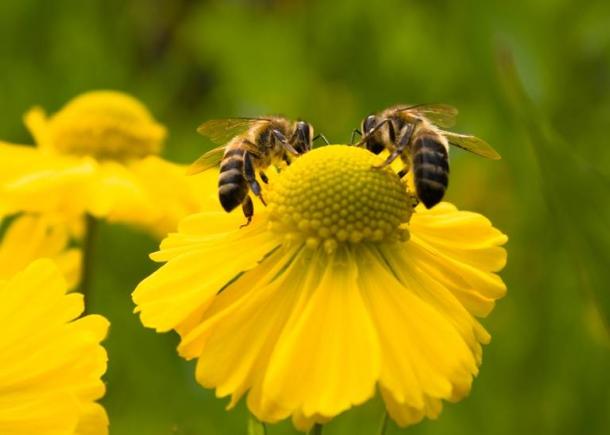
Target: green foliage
x,y
546,371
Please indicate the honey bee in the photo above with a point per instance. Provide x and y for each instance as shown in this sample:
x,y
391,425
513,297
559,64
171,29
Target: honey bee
x,y
248,146
413,134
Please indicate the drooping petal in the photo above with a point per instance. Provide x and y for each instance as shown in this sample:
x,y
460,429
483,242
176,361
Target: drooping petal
x,y
330,342
238,333
189,283
423,354
461,250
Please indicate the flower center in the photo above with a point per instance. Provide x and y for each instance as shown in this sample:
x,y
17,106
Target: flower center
x,y
334,195
107,125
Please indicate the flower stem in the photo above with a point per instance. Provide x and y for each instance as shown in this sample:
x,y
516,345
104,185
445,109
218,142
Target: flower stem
x,y
384,423
87,261
255,426
315,430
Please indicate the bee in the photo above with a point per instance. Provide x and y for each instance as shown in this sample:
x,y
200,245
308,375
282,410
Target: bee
x,y
247,147
414,134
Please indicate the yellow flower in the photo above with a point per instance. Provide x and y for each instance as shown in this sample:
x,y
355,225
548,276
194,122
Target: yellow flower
x,y
337,289
97,155
50,360
30,237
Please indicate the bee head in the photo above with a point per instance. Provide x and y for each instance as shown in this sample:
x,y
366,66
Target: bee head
x,y
372,142
368,124
303,136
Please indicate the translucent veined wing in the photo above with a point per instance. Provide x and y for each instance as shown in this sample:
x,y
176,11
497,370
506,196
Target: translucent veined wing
x,y
207,161
220,131
442,115
472,144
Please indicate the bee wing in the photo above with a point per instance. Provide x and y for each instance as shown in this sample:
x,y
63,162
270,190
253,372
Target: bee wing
x,y
442,115
220,131
472,144
206,161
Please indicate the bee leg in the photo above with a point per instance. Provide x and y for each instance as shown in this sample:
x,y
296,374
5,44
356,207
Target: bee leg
x,y
250,176
248,208
372,131
263,177
282,139
355,132
290,149
404,171
403,141
389,160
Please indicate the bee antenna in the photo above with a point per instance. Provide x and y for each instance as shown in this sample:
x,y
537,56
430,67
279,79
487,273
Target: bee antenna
x,y
320,136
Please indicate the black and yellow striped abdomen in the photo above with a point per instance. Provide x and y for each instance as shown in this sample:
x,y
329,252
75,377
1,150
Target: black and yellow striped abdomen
x,y
232,186
430,169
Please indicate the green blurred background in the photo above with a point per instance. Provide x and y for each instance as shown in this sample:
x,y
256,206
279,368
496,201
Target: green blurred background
x,y
547,368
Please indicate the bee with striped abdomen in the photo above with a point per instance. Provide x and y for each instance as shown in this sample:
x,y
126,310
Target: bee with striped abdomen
x,y
414,134
248,146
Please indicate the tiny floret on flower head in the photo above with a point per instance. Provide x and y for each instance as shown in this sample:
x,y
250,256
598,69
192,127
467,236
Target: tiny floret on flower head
x,y
104,124
334,195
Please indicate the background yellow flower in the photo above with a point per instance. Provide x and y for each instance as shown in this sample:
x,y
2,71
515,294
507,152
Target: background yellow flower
x,y
97,155
51,361
30,237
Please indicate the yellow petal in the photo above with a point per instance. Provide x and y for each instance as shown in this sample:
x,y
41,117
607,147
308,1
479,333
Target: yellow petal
x,y
235,300
190,281
423,351
117,195
331,343
174,193
149,193
49,374
93,420
40,413
238,334
39,182
405,415
461,250
30,237
37,123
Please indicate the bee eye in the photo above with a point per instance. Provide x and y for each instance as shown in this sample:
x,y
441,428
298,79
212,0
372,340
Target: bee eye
x,y
303,137
369,123
303,128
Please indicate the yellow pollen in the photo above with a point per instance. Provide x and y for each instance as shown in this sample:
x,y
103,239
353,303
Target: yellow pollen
x,y
104,124
333,195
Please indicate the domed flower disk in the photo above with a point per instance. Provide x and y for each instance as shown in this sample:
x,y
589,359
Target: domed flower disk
x,y
339,289
51,361
97,155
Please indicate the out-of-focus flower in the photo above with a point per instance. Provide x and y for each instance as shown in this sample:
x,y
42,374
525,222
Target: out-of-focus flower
x,y
51,361
97,155
30,237
337,289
